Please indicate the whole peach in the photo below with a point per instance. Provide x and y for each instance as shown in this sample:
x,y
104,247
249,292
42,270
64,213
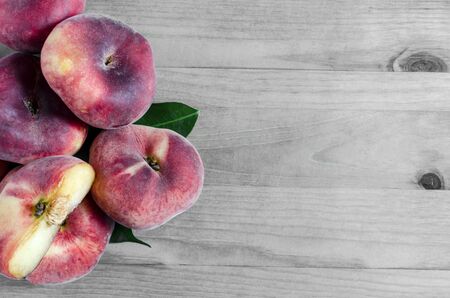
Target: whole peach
x,y
101,68
34,121
145,176
25,24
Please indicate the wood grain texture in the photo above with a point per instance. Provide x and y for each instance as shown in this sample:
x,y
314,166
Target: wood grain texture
x,y
325,34
342,180
316,129
278,90
314,132
219,281
255,226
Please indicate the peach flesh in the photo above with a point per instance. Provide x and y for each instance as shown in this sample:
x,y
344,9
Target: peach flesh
x,y
34,201
101,68
77,247
34,122
145,176
25,24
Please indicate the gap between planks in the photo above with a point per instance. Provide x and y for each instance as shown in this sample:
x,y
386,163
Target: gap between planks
x,y
333,35
277,227
140,281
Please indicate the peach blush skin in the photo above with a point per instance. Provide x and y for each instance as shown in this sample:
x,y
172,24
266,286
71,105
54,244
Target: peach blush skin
x,y
77,247
25,24
145,176
34,121
101,68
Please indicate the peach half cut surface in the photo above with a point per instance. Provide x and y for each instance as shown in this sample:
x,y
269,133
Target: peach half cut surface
x,y
78,246
35,200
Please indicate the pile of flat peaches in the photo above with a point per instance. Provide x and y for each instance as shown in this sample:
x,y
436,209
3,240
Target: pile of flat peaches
x,y
75,74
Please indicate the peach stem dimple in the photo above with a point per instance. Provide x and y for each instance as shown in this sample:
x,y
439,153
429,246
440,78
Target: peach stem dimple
x,y
153,163
109,60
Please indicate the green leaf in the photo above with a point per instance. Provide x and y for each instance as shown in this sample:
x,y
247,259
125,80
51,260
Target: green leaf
x,y
172,115
123,234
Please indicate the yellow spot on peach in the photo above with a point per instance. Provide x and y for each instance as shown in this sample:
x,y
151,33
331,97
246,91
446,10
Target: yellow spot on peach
x,y
65,66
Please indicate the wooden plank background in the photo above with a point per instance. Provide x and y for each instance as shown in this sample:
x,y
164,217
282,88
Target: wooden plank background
x,y
318,119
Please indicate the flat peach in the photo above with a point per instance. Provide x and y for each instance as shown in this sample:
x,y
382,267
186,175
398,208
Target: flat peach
x,y
35,123
101,68
145,176
25,24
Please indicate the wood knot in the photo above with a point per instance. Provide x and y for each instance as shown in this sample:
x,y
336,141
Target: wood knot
x,y
431,181
423,62
417,62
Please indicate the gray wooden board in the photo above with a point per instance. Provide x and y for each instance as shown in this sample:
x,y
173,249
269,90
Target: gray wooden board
x,y
292,227
222,281
299,34
313,149
316,129
308,34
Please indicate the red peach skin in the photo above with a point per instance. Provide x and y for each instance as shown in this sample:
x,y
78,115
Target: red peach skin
x,y
77,247
34,121
145,176
25,24
101,68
